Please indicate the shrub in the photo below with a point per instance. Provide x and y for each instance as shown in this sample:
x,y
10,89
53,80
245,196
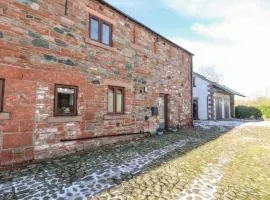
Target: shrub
x,y
265,111
245,112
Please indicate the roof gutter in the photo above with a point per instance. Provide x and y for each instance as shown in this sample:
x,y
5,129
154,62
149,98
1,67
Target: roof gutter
x,y
141,24
228,90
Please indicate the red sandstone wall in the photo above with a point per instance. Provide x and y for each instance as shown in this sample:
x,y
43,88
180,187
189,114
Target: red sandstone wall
x,y
40,47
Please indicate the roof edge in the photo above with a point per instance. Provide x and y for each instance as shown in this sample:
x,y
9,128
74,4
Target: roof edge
x,y
228,90
143,25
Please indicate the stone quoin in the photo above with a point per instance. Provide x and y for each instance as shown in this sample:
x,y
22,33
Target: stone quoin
x,y
76,75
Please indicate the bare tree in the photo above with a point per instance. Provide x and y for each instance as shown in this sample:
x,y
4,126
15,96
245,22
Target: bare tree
x,y
211,73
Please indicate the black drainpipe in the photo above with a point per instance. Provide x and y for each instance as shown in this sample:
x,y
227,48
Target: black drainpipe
x,y
66,7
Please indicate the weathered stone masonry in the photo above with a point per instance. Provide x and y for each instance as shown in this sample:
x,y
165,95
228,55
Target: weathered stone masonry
x,y
41,47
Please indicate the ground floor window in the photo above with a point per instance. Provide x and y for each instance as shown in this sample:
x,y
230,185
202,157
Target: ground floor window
x,y
116,100
65,100
2,82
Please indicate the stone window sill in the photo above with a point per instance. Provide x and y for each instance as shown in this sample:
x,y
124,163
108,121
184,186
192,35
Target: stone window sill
x,y
116,117
65,119
92,42
4,116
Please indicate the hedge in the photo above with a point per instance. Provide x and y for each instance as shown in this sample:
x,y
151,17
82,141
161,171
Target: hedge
x,y
259,107
246,112
265,111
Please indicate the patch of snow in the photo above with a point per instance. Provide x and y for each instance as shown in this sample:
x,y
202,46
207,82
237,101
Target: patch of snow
x,y
230,124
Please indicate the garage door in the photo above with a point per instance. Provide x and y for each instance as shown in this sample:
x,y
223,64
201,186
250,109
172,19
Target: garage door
x,y
227,109
218,108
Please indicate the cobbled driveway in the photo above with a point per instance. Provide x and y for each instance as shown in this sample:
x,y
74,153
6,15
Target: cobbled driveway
x,y
215,160
233,164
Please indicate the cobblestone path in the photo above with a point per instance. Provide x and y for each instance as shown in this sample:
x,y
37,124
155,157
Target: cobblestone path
x,y
78,177
235,165
205,186
226,161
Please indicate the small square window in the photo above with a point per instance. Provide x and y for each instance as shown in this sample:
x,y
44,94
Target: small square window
x,y
100,31
65,100
2,83
116,100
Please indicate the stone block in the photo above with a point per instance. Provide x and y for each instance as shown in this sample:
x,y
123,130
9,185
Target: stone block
x,y
17,140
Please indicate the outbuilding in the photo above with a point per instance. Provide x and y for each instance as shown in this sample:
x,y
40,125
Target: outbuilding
x,y
212,101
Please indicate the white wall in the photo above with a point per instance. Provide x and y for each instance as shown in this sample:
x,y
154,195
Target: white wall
x,y
200,92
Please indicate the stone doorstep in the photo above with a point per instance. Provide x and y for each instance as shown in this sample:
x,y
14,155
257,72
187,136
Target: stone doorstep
x,y
64,119
5,116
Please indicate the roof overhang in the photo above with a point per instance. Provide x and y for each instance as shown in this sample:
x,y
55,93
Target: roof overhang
x,y
221,87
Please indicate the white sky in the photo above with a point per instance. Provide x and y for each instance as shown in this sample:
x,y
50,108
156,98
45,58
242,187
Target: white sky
x,y
238,40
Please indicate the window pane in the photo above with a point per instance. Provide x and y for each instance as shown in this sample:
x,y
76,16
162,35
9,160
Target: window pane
x,y
110,101
1,94
94,24
119,96
65,104
106,34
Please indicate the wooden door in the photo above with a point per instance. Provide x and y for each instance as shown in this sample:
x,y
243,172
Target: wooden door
x,y
163,111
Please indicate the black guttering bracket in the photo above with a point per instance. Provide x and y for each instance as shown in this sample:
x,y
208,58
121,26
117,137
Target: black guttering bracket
x,y
141,24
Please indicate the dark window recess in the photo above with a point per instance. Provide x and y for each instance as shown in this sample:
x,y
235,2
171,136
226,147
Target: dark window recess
x,y
154,111
65,100
100,31
115,100
2,83
194,81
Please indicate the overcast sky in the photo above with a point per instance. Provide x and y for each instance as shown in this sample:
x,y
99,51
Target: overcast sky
x,y
233,36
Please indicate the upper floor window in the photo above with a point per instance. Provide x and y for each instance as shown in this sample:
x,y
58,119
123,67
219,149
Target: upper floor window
x,y
100,31
2,83
65,100
116,100
194,81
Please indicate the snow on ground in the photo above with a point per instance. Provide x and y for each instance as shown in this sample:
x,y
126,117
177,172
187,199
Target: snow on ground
x,y
230,124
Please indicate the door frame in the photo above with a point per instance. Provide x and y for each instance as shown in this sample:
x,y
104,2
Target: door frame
x,y
197,113
166,109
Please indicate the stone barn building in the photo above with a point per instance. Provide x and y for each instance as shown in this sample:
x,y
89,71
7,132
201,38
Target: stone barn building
x,y
75,75
212,101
